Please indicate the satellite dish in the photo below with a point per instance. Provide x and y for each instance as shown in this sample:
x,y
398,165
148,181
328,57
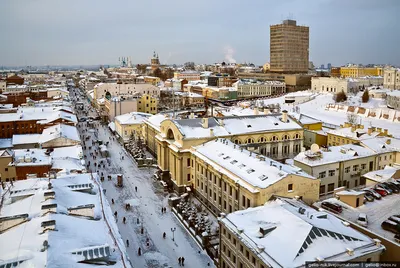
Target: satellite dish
x,y
314,148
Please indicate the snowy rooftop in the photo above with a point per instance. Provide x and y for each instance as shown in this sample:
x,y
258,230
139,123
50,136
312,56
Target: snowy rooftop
x,y
283,237
31,157
5,143
59,131
358,134
249,169
25,139
304,119
334,154
44,115
132,118
382,144
382,175
257,82
155,120
376,211
73,233
394,93
227,126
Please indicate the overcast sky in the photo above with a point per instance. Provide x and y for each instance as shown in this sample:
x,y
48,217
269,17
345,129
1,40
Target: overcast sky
x,y
67,32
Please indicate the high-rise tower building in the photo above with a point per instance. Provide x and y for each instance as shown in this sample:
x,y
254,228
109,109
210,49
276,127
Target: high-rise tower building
x,y
289,45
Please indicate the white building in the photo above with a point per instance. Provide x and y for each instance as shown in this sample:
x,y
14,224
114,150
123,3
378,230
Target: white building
x,y
59,135
188,75
60,92
391,78
288,233
254,88
333,84
108,90
3,86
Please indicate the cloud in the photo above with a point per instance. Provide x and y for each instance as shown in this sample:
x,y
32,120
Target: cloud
x,y
229,51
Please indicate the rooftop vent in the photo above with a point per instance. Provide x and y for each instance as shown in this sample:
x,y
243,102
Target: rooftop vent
x,y
319,259
377,242
48,225
260,248
263,177
250,170
350,251
302,210
345,223
266,230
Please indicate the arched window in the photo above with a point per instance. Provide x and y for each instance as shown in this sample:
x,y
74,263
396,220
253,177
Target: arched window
x,y
297,136
285,137
262,139
170,134
249,140
237,141
274,138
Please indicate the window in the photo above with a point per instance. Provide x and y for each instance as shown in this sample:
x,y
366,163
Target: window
x,y
6,169
322,189
188,162
347,170
331,172
363,166
243,201
234,242
355,183
322,174
355,168
331,187
253,260
241,248
385,157
247,254
188,177
290,187
248,202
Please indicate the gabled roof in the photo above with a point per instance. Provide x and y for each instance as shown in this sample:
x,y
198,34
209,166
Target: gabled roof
x,y
59,131
293,233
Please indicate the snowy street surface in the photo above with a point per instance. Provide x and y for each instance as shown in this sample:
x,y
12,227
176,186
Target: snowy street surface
x,y
146,204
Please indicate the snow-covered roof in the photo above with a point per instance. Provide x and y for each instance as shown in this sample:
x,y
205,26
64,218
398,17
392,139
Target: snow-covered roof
x,y
382,144
59,131
155,121
281,236
72,234
394,93
132,118
335,154
25,139
357,134
234,125
381,175
43,115
5,143
31,157
68,159
248,169
258,82
304,119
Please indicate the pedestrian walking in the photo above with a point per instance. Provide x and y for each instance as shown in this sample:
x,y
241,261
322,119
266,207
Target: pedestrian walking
x,y
112,201
127,243
183,261
164,235
139,251
124,220
104,191
115,214
162,210
180,261
136,188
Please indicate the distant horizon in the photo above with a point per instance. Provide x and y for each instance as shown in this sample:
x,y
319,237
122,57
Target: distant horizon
x,y
46,32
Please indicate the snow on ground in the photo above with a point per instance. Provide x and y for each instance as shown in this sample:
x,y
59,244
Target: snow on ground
x,y
150,198
376,211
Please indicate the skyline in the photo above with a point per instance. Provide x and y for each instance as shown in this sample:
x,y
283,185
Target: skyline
x,y
45,32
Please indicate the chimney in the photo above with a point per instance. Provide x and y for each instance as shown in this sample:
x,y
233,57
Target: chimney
x,y
204,122
284,116
377,242
350,251
266,111
255,111
388,141
353,128
347,124
385,132
221,122
379,129
370,130
211,132
191,116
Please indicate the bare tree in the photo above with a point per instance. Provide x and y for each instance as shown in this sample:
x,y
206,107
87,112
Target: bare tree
x,y
352,118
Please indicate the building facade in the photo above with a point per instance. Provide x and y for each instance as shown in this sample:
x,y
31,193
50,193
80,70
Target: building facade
x,y
289,47
131,124
332,84
391,78
253,88
188,75
360,71
7,172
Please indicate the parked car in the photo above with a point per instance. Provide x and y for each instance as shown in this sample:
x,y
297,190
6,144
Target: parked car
x,y
392,186
395,219
368,196
381,191
331,206
373,192
388,190
391,226
82,119
362,219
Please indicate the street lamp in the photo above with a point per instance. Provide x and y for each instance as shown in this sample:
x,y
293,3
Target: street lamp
x,y
173,231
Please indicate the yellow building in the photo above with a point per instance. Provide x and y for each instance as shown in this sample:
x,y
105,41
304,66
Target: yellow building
x,y
151,128
288,233
274,135
354,134
147,104
356,71
313,131
152,80
130,124
7,172
227,178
